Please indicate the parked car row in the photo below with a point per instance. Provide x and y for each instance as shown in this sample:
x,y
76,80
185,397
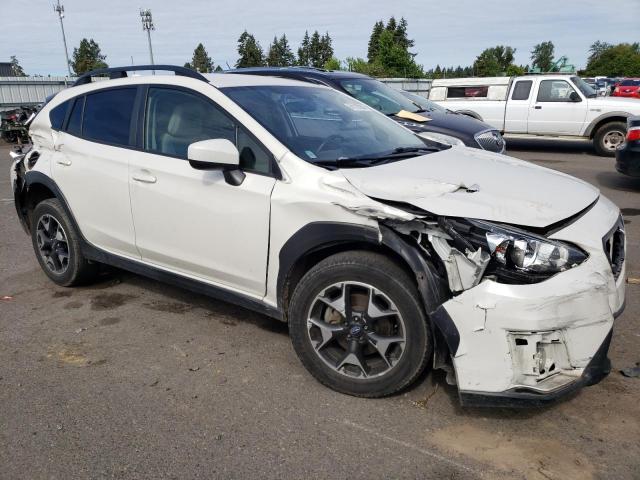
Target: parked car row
x,y
386,252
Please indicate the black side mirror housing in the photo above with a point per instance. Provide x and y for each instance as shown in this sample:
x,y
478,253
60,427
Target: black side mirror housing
x,y
574,97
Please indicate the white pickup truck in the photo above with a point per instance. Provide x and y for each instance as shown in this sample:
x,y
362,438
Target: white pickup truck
x,y
558,106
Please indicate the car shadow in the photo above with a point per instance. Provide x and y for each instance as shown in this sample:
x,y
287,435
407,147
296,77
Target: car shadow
x,y
618,181
549,146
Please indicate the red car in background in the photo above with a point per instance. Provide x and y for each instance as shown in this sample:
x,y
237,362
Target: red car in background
x,y
629,87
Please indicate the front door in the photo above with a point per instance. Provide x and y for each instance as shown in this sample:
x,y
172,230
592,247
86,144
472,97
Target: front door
x,y
191,221
554,112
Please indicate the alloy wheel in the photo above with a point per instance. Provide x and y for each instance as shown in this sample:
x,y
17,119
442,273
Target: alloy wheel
x,y
612,139
52,244
356,330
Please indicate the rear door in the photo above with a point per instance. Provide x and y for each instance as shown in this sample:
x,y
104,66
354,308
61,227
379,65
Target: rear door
x,y
553,112
190,221
518,105
91,167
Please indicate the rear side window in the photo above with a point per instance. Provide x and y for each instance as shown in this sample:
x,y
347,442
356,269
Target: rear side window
x,y
74,127
107,116
467,92
522,90
57,114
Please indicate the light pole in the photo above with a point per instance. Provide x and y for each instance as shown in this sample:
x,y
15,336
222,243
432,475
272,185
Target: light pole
x,y
147,25
59,9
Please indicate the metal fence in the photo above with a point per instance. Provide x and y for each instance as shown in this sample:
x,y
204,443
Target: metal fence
x,y
19,91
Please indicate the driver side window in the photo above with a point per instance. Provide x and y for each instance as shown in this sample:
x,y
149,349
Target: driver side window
x,y
174,119
554,91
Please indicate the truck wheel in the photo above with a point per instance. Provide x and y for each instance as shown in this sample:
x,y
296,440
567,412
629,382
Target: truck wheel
x,y
57,246
358,326
608,137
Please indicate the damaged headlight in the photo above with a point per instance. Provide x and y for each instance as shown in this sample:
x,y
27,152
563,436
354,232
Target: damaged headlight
x,y
519,255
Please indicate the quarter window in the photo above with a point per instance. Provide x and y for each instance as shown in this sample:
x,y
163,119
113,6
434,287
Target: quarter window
x,y
57,114
74,127
522,90
107,116
554,91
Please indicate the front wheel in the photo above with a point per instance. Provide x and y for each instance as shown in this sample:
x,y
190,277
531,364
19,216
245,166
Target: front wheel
x,y
608,137
357,324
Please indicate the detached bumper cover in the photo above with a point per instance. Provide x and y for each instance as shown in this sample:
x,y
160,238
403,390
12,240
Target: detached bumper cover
x,y
598,368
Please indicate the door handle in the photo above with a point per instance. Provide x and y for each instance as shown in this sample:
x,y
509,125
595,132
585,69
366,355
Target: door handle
x,y
538,107
144,177
65,162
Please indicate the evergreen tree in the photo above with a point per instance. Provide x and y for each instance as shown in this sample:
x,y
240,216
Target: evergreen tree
x,y
326,49
250,52
622,60
394,59
304,51
280,54
332,64
542,56
596,49
87,57
392,26
16,69
374,40
496,61
401,35
201,61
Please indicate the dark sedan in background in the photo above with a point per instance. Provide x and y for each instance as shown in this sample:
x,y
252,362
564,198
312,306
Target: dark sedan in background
x,y
418,114
628,154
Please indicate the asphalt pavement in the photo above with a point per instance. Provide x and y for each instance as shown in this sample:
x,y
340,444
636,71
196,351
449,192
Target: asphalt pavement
x,y
130,378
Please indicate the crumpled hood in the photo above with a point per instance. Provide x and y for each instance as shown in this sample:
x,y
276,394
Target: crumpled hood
x,y
465,182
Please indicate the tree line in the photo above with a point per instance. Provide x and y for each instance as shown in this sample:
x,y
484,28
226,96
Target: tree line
x,y
389,54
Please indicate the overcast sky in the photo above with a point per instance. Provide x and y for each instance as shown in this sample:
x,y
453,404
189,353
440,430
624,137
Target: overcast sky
x,y
445,32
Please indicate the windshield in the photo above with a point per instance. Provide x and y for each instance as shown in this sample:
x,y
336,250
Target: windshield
x,y
323,126
630,83
425,104
379,96
584,87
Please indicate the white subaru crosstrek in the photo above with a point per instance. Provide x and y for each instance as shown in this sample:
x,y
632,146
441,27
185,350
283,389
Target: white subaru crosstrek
x,y
385,253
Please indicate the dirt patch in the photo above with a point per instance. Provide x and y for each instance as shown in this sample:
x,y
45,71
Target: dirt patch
x,y
106,301
72,305
62,294
169,307
532,458
105,322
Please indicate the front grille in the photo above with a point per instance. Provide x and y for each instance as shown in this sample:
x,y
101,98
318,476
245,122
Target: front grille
x,y
613,244
491,140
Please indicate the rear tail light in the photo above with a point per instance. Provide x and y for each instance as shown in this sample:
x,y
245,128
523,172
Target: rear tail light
x,y
633,134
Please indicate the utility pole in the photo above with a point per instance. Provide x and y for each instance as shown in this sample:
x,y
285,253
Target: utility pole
x,y
147,25
59,9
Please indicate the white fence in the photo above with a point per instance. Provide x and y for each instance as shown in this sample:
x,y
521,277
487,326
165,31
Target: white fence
x,y
420,86
18,91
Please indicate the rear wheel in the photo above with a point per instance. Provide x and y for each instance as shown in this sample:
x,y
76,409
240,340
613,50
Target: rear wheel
x,y
608,137
57,246
358,326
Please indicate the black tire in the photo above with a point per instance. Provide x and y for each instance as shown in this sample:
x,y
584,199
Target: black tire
x,y
386,276
601,139
78,269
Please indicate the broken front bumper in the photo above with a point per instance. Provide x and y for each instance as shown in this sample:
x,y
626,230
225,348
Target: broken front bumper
x,y
532,344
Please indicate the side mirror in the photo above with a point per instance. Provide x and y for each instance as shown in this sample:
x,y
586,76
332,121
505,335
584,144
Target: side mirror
x,y
217,154
574,97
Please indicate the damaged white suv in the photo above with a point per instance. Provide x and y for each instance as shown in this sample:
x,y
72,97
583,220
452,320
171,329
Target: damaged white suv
x,y
384,253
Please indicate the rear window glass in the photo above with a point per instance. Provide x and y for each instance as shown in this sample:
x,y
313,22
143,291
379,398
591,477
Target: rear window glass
x,y
74,127
521,90
57,114
107,116
467,92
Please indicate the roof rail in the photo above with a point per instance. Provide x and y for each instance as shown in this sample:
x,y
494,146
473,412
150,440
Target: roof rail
x,y
121,72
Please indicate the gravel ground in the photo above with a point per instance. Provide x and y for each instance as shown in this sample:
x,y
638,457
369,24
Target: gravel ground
x,y
130,378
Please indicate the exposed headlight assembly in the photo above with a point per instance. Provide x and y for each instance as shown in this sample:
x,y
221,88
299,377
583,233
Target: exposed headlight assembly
x,y
442,138
519,256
